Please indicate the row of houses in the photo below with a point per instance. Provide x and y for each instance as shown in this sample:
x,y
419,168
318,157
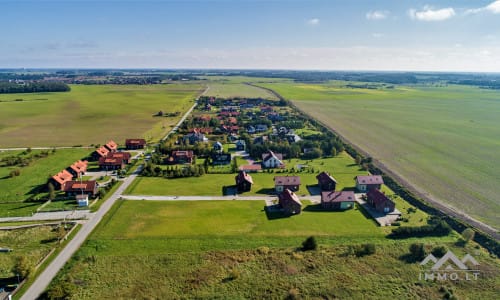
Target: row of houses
x,y
75,170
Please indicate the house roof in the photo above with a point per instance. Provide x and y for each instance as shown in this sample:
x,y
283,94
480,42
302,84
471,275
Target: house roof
x,y
62,177
111,145
77,186
179,153
270,154
377,197
369,179
113,161
123,155
135,142
325,178
243,176
289,196
287,180
341,196
79,166
102,151
254,167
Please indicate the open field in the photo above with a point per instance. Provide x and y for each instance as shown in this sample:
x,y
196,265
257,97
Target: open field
x,y
442,140
230,250
15,190
92,114
231,90
342,167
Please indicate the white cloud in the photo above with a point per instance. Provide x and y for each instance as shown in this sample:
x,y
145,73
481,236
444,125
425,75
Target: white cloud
x,y
493,7
377,14
429,14
313,21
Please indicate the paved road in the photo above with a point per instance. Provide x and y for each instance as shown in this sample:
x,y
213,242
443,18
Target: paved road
x,y
46,148
56,215
43,280
197,198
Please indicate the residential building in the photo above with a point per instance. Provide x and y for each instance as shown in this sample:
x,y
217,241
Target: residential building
x,y
368,182
326,182
60,179
272,160
289,202
75,187
282,183
337,200
243,181
379,201
133,144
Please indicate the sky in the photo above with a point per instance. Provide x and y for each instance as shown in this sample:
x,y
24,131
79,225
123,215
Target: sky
x,y
398,35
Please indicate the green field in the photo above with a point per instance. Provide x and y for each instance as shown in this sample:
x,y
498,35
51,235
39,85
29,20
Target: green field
x,y
342,167
231,90
443,140
15,190
92,114
231,250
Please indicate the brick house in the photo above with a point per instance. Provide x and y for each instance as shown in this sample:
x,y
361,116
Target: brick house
x,y
326,182
282,183
243,181
337,200
111,163
289,202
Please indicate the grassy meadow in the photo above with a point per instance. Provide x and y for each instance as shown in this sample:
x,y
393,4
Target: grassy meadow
x,y
442,140
92,114
231,250
14,191
342,167
230,90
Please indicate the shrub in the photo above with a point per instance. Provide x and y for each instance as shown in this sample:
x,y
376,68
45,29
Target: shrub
x,y
363,250
417,251
263,250
439,251
15,173
309,244
468,234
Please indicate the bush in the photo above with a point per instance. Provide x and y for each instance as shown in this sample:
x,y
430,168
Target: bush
x,y
468,234
309,244
439,251
417,251
362,250
15,173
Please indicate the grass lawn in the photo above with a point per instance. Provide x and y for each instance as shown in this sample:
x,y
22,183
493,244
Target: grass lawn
x,y
232,90
443,140
230,250
342,167
15,190
92,114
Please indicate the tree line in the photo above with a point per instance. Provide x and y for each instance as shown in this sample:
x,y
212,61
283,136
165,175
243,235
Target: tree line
x,y
33,87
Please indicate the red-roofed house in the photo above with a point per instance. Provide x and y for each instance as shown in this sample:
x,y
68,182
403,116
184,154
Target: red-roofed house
x,y
243,181
181,157
326,182
111,145
135,143
78,168
289,202
60,179
111,163
100,152
380,202
337,200
76,187
368,182
282,183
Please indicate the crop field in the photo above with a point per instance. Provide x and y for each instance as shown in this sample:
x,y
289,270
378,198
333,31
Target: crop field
x,y
231,89
92,114
443,140
231,250
14,191
341,167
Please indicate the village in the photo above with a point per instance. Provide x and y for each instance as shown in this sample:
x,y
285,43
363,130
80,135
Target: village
x,y
246,138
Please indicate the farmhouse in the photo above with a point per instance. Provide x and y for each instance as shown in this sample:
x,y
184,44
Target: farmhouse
x,y
282,183
272,160
221,159
78,168
73,188
337,200
240,145
60,179
111,146
289,202
243,182
326,182
368,182
181,157
380,201
132,144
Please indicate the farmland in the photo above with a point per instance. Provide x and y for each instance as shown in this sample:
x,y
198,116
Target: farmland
x,y
92,114
442,140
229,249
231,89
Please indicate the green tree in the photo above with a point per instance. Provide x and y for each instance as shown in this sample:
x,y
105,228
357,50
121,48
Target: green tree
x,y
417,251
23,267
52,191
234,165
468,234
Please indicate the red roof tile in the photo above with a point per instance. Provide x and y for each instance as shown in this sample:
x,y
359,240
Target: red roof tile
x,y
370,179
